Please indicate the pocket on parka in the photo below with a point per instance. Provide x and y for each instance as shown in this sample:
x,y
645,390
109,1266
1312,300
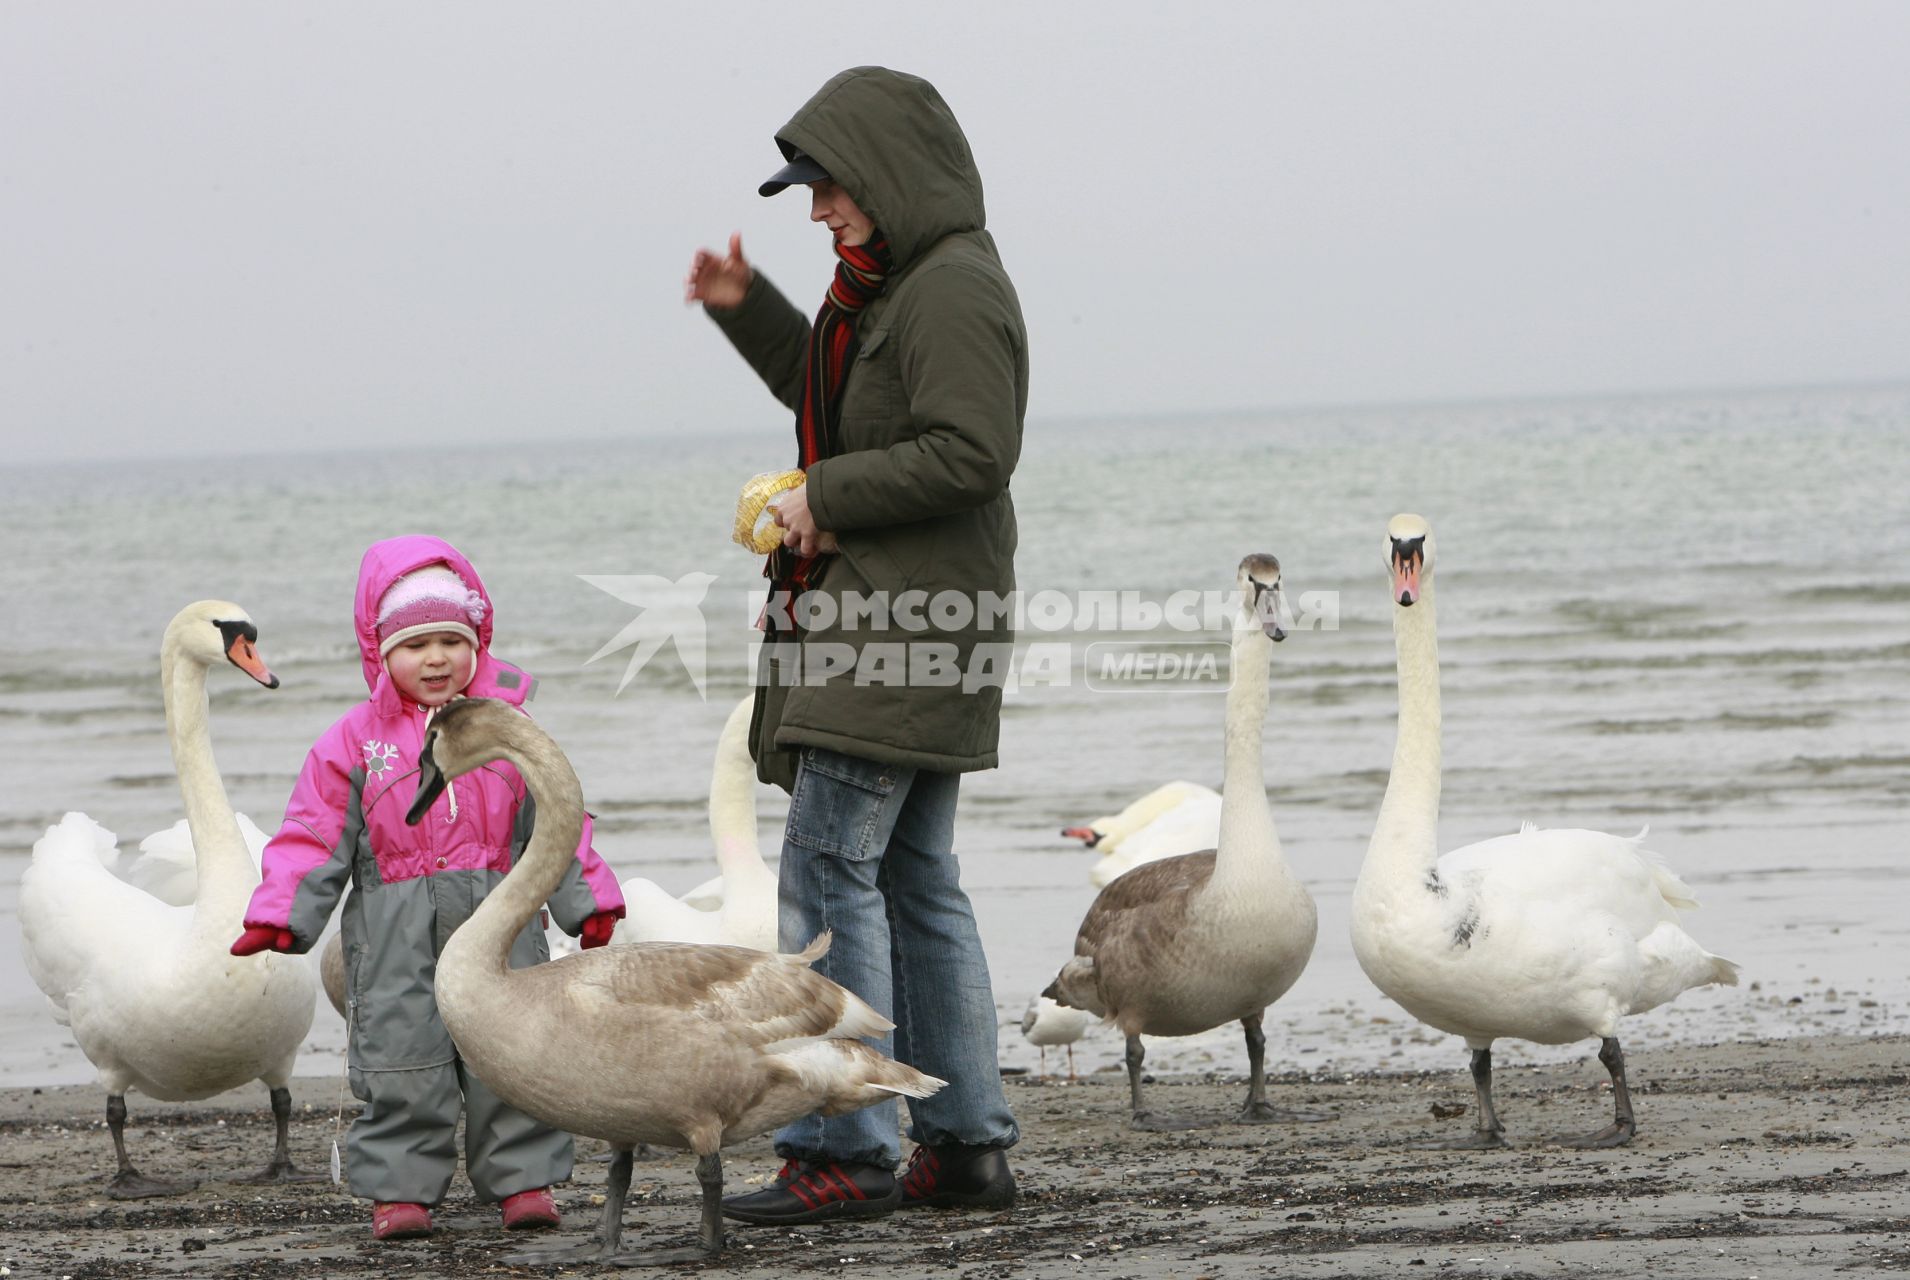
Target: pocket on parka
x,y
873,407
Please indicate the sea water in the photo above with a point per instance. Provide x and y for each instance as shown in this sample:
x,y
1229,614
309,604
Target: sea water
x,y
1690,613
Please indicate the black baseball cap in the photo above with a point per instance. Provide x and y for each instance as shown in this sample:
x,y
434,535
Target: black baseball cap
x,y
800,169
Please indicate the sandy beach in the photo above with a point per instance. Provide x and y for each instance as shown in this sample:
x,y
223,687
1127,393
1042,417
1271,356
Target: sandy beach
x,y
1754,1159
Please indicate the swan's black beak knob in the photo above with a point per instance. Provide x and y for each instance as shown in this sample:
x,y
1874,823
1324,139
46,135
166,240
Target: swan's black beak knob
x,y
1266,604
1408,562
241,650
430,784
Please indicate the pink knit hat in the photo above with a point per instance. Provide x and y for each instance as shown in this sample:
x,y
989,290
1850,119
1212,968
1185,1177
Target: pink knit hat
x,y
425,600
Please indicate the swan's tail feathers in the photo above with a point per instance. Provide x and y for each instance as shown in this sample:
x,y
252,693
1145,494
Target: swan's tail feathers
x,y
1670,885
848,1075
925,1086
1724,972
859,1020
1673,889
1527,827
818,948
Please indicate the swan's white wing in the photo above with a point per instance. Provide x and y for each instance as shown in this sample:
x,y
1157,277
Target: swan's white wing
x,y
75,914
1591,871
707,896
167,866
652,915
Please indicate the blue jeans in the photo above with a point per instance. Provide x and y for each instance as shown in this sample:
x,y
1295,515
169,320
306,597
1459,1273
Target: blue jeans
x,y
868,852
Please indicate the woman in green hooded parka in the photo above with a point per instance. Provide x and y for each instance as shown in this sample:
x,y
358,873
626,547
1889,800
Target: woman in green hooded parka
x,y
886,633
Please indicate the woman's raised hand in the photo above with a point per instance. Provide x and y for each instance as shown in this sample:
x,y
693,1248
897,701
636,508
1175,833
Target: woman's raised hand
x,y
718,282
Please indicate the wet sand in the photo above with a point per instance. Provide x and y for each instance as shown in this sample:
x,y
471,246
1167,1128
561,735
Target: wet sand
x,y
1780,1158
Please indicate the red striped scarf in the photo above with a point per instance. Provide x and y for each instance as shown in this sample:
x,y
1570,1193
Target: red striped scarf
x,y
860,275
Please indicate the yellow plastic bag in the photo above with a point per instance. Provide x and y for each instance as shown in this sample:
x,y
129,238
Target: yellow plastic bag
x,y
756,527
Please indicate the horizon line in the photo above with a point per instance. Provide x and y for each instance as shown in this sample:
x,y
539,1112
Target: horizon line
x,y
1073,418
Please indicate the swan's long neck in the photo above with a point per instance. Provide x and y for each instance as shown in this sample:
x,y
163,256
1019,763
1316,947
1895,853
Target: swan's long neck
x,y
225,871
1405,843
1249,846
485,938
733,801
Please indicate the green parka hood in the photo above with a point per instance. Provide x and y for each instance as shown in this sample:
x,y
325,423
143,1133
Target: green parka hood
x,y
896,148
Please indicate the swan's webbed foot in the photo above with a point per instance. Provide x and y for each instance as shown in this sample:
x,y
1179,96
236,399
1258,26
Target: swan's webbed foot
x,y
280,1172
1262,1112
130,1184
1489,1134
1616,1134
1143,1117
605,1239
1163,1122
591,1251
1477,1140
661,1257
1622,1127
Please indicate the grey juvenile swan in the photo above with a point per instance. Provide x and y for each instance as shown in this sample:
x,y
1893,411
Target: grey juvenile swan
x,y
671,1044
1182,945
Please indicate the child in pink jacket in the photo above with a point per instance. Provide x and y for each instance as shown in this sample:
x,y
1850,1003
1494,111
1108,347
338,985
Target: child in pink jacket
x,y
424,631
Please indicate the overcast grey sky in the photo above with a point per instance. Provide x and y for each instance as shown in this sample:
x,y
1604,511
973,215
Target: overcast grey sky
x,y
233,226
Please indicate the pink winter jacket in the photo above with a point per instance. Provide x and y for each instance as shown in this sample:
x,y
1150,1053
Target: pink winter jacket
x,y
348,807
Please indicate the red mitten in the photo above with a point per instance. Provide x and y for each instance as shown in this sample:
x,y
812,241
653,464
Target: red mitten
x,y
262,937
597,930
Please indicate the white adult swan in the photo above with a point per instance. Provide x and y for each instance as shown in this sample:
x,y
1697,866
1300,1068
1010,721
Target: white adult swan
x,y
1188,943
1547,936
155,1000
1172,819
665,1043
745,892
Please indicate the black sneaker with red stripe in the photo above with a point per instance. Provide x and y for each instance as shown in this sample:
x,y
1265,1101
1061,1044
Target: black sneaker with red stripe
x,y
816,1191
953,1176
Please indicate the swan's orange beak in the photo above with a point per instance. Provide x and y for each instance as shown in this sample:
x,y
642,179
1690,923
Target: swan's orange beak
x,y
1406,576
245,656
1086,835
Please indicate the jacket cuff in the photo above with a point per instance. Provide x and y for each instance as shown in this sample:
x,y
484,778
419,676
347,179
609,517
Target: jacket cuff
x,y
746,318
817,490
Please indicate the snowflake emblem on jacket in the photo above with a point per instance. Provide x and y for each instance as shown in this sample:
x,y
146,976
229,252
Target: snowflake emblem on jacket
x,y
380,756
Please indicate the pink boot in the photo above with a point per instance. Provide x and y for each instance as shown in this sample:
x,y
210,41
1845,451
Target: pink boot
x,y
399,1221
530,1210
